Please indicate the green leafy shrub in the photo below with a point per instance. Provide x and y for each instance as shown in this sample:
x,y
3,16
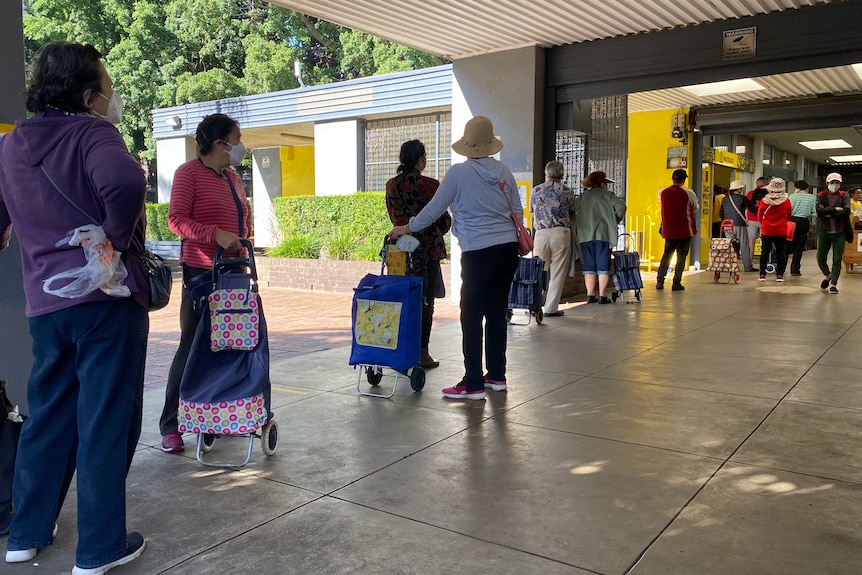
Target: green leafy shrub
x,y
303,246
157,223
347,227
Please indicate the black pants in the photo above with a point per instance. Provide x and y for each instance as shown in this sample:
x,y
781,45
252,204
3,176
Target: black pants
x,y
486,276
800,238
188,325
429,291
681,247
780,243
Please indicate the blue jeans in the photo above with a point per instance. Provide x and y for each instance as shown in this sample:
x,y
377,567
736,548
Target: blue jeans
x,y
86,398
486,276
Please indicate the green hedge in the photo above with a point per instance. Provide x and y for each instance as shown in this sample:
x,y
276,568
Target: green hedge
x,y
348,227
341,227
157,223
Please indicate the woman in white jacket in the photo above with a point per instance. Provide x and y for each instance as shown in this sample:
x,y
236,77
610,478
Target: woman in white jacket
x,y
476,192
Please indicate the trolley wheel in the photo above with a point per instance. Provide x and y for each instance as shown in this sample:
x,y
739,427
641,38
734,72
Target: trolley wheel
x,y
269,437
638,295
206,440
540,316
716,277
374,375
614,295
417,378
509,314
736,278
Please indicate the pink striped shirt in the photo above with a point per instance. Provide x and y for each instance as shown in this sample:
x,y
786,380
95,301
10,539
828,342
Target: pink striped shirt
x,y
201,204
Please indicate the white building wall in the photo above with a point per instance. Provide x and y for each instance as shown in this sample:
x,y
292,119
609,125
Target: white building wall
x,y
266,181
337,166
171,154
506,87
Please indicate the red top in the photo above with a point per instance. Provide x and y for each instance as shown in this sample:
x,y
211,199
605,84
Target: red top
x,y
773,219
201,203
677,214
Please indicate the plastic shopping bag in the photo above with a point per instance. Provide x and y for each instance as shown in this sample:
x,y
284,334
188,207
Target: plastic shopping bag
x,y
104,270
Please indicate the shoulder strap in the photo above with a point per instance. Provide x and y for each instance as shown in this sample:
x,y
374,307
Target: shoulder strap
x,y
68,199
732,203
237,202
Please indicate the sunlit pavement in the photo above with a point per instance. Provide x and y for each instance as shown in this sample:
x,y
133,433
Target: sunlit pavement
x,y
715,430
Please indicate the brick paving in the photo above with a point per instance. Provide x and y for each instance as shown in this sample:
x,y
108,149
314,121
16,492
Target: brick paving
x,y
299,322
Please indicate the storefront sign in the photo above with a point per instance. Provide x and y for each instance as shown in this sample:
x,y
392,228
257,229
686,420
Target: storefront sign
x,y
739,44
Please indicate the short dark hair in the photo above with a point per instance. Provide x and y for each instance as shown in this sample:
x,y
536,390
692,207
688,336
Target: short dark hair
x,y
211,129
762,181
411,151
63,71
679,175
800,185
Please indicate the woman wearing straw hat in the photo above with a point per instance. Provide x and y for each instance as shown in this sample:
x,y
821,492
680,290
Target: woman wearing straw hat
x,y
479,192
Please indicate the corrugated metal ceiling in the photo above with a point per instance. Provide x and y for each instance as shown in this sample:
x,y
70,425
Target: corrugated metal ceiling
x,y
459,28
838,81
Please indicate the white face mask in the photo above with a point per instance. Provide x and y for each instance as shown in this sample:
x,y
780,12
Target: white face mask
x,y
114,113
236,153
833,187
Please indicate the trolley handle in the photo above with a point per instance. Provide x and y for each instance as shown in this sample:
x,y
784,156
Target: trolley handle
x,y
219,263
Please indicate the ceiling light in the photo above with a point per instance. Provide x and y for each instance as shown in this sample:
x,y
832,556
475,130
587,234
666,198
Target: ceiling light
x,y
825,144
174,122
726,87
846,159
858,69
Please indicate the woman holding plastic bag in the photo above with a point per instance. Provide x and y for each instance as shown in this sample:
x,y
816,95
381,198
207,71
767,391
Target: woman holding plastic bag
x,y
60,170
208,209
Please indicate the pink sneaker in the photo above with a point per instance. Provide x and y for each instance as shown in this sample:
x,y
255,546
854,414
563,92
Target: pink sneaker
x,y
460,392
173,443
494,384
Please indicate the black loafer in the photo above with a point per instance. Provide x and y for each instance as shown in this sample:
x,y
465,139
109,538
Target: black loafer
x,y
603,299
555,314
592,299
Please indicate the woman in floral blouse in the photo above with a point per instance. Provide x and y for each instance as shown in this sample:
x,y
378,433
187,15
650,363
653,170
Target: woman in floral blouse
x,y
406,195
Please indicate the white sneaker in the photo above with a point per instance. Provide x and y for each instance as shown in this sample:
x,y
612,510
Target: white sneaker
x,y
21,555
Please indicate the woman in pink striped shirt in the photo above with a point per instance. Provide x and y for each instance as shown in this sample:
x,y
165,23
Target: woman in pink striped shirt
x,y
208,209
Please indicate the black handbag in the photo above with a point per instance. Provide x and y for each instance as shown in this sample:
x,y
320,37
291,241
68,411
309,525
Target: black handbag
x,y
159,274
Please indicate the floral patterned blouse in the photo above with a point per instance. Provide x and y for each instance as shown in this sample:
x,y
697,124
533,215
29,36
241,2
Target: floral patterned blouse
x,y
552,204
406,195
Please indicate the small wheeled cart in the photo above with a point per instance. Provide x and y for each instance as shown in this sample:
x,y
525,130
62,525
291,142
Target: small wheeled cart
x,y
627,272
225,388
724,254
386,326
528,290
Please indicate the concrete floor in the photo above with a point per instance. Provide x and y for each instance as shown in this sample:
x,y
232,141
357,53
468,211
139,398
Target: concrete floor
x,y
715,430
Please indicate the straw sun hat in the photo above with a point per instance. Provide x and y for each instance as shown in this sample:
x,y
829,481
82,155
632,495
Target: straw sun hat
x,y
479,140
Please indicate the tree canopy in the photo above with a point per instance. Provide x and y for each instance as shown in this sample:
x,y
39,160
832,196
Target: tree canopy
x,y
164,53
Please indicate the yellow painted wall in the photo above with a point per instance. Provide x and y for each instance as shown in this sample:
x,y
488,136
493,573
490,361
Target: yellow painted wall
x,y
649,139
297,170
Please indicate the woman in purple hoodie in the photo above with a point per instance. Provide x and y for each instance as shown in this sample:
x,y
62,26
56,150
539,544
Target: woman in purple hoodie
x,y
66,167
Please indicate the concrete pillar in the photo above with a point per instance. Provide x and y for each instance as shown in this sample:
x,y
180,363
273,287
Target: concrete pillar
x,y
266,181
508,88
340,170
15,345
172,154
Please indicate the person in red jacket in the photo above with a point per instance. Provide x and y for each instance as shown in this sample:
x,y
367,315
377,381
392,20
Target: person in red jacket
x,y
774,213
678,226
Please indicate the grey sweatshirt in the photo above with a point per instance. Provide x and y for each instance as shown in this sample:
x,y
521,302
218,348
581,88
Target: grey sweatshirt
x,y
480,214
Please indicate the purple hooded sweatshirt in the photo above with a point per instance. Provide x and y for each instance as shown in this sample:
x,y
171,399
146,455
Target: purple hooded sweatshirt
x,y
89,161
